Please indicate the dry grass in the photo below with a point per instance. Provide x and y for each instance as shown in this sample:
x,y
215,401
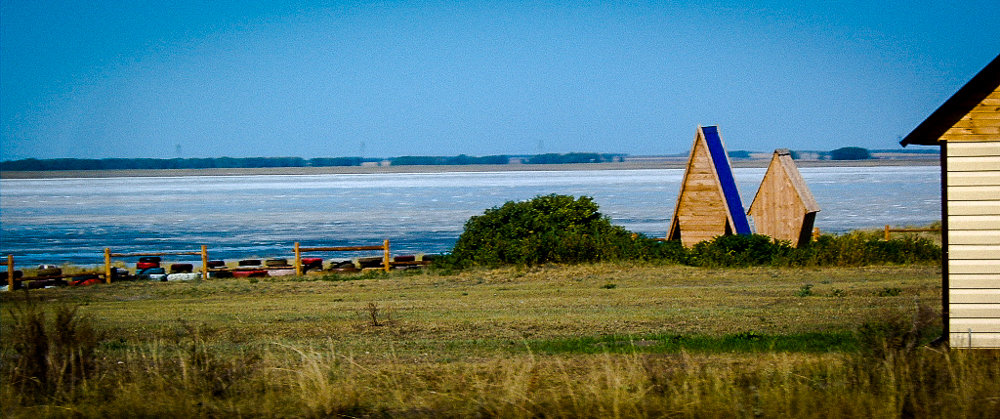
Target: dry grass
x,y
493,343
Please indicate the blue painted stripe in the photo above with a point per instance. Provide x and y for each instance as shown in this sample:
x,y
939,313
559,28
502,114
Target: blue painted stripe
x,y
721,161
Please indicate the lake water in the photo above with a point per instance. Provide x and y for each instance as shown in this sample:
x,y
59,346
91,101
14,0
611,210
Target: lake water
x,y
73,220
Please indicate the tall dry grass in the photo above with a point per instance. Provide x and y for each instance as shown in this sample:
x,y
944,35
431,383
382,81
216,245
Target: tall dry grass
x,y
188,380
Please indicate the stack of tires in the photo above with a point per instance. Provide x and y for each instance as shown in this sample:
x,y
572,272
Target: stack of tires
x,y
217,269
182,272
148,267
346,266
17,283
249,268
279,267
47,276
312,264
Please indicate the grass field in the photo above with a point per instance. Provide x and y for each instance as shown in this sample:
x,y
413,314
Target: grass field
x,y
605,340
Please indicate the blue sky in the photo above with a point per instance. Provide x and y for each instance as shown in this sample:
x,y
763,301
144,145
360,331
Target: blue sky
x,y
379,79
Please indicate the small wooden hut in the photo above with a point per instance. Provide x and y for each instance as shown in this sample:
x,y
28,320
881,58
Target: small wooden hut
x,y
967,127
709,203
783,207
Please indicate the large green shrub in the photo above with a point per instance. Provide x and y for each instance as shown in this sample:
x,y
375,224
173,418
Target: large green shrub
x,y
551,228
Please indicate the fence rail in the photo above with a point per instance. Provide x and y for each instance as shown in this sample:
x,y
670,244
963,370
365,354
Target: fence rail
x,y
889,230
108,255
386,256
11,271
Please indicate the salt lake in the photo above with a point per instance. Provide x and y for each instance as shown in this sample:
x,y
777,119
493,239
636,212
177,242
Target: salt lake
x,y
73,220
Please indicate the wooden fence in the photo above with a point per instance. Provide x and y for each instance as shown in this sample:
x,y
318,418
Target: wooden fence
x,y
889,231
108,255
386,258
11,270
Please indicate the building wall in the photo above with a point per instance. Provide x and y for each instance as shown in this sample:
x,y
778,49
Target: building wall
x,y
973,190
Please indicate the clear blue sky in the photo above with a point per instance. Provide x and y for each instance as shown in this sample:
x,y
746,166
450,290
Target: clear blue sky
x,y
259,78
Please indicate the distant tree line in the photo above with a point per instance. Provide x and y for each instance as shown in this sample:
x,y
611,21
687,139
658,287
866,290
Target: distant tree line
x,y
177,163
552,158
460,159
845,153
258,162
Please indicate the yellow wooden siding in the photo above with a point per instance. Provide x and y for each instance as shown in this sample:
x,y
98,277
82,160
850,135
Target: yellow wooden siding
x,y
979,340
975,296
973,237
974,193
985,325
973,182
958,281
974,266
974,222
974,310
983,178
972,163
964,251
973,208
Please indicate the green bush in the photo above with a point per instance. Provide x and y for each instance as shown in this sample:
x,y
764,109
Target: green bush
x,y
749,250
864,248
551,228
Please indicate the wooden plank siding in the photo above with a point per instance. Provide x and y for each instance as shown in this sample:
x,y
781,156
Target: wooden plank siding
x,y
974,340
701,212
783,204
973,182
979,124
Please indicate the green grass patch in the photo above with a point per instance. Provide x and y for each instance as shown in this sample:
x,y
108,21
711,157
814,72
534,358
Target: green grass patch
x,y
744,342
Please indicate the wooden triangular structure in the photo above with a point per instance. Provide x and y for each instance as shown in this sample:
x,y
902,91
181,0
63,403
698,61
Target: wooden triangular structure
x,y
709,203
783,207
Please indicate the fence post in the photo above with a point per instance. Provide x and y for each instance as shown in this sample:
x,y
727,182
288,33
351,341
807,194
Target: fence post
x,y
886,232
387,260
107,265
298,260
10,273
204,262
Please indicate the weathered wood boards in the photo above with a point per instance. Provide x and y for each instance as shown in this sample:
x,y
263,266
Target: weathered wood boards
x,y
784,208
709,203
967,125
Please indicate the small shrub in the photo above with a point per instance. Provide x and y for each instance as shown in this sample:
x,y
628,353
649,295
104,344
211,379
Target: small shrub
x,y
609,286
839,293
889,292
804,291
376,316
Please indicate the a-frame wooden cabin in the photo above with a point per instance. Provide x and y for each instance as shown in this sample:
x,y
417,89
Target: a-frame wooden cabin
x,y
709,203
784,208
967,127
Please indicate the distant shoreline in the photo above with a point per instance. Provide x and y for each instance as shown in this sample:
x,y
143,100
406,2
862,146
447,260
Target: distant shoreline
x,y
351,170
